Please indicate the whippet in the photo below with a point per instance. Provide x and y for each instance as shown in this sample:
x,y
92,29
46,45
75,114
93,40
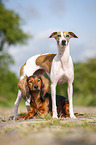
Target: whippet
x,y
59,68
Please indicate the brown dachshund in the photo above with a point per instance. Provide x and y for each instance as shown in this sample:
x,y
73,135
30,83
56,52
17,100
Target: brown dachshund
x,y
41,103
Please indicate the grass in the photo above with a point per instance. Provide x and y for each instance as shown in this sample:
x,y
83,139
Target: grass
x,y
51,125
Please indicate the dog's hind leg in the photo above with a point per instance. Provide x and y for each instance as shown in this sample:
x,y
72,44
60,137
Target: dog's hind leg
x,y
16,104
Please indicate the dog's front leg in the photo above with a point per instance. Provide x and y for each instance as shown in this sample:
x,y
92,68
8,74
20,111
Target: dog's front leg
x,y
53,95
70,93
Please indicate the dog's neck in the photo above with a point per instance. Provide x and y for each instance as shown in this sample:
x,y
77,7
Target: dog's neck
x,y
35,96
63,54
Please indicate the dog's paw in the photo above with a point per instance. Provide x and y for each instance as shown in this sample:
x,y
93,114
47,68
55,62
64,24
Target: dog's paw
x,y
73,116
55,116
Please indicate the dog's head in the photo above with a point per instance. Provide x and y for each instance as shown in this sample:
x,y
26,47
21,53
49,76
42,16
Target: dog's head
x,y
33,84
62,38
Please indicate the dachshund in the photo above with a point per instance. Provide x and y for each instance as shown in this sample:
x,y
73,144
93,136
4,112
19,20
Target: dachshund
x,y
37,87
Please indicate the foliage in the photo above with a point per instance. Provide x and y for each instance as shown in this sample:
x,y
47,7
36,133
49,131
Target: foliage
x,y
10,31
5,61
1,2
86,73
8,80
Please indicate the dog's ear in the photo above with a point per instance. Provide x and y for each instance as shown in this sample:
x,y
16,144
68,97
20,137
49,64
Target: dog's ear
x,y
23,87
45,86
72,35
53,35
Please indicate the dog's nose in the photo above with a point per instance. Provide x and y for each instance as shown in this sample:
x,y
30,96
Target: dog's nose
x,y
63,42
36,86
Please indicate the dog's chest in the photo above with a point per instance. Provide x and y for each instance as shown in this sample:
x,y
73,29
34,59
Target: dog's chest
x,y
62,73
65,76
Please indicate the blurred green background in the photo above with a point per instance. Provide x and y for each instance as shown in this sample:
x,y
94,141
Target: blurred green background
x,y
11,34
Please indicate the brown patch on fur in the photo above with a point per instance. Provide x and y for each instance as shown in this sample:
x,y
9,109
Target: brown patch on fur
x,y
45,61
53,34
22,69
72,35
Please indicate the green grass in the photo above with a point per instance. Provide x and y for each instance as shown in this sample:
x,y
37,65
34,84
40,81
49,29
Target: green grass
x,y
53,124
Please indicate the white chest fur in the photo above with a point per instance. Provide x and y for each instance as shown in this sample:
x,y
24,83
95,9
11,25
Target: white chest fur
x,y
62,67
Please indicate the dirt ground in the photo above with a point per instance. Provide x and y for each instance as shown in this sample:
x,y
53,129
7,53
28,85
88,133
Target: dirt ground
x,y
65,131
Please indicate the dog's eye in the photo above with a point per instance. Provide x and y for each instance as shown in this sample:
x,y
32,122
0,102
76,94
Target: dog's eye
x,y
67,35
30,81
38,80
58,35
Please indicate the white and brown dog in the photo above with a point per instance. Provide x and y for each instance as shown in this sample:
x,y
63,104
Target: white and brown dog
x,y
59,68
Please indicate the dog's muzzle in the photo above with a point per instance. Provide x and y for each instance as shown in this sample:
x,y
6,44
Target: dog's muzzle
x,y
36,87
63,42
